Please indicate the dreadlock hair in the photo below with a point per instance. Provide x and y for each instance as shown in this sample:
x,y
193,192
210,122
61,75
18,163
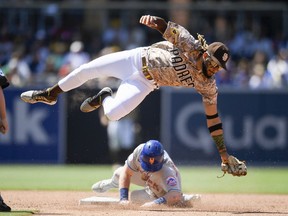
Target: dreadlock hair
x,y
204,45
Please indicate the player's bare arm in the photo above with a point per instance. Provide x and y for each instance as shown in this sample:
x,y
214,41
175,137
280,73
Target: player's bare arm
x,y
154,22
124,184
214,125
230,164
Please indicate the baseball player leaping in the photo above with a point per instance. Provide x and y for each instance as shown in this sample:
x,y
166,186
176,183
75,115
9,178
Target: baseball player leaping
x,y
181,60
149,166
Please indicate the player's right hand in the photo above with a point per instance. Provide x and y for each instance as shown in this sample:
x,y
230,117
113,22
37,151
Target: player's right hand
x,y
148,21
154,22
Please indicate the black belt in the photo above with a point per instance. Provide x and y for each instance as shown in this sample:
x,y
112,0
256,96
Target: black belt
x,y
145,69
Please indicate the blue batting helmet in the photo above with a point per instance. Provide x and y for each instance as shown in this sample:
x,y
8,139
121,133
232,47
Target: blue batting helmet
x,y
152,156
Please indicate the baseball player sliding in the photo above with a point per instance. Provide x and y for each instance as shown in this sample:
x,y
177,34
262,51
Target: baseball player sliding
x,y
149,166
180,60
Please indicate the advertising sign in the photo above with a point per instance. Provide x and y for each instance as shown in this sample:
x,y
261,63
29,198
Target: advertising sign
x,y
255,126
36,132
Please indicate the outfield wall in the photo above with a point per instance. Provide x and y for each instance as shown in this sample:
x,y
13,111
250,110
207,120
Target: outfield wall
x,y
255,126
37,133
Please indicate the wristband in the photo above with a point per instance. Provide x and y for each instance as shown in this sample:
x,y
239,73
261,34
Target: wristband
x,y
124,193
212,116
215,127
160,200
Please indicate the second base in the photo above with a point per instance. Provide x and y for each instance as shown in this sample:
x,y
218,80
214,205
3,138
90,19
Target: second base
x,y
98,200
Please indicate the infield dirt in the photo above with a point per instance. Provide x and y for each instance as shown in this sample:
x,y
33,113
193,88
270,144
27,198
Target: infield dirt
x,y
67,203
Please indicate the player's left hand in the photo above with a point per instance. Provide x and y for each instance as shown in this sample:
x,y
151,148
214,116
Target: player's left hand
x,y
234,167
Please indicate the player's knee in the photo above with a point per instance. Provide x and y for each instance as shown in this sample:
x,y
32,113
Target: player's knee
x,y
112,117
114,110
114,114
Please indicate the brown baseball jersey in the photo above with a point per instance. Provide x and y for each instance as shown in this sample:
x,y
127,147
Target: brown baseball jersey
x,y
175,62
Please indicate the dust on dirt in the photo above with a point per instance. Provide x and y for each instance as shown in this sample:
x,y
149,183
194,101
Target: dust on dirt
x,y
67,203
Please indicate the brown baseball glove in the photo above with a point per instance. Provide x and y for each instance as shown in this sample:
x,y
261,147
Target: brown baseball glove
x,y
234,167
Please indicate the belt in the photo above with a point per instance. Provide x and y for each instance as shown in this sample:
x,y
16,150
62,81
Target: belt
x,y
145,69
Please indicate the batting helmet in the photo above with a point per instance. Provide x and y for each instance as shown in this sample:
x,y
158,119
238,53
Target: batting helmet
x,y
152,156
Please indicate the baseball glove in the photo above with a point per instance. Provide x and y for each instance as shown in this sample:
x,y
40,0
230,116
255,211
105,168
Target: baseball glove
x,y
234,167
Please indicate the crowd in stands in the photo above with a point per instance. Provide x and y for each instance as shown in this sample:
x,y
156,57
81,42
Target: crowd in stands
x,y
258,61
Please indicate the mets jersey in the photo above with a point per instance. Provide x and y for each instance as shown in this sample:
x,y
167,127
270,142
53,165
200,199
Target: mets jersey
x,y
157,183
176,62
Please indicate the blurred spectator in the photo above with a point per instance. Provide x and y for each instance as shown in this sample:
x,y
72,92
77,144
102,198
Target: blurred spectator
x,y
52,64
260,78
278,69
242,74
223,78
115,34
222,31
74,58
6,46
241,45
136,36
18,71
39,30
121,135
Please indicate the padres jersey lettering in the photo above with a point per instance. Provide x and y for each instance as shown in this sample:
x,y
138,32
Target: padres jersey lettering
x,y
174,63
181,69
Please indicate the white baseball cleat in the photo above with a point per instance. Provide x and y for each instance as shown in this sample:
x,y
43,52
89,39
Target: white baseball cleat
x,y
104,185
191,199
35,96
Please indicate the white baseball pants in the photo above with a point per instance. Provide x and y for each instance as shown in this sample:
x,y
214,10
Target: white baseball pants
x,y
124,65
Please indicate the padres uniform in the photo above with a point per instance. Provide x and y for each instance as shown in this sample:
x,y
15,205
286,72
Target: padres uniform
x,y
142,70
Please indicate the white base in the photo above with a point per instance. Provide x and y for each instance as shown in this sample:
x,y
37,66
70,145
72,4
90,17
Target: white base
x,y
98,200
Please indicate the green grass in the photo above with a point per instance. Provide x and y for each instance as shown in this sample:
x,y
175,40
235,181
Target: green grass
x,y
18,213
194,179
258,180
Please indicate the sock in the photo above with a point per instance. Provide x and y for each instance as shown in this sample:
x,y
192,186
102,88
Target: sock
x,y
54,90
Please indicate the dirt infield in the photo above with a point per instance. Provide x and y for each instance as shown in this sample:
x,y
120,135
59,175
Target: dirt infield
x,y
67,203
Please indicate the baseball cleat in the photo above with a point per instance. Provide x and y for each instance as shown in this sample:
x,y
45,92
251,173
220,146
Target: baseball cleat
x,y
190,199
93,103
104,185
3,206
35,96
